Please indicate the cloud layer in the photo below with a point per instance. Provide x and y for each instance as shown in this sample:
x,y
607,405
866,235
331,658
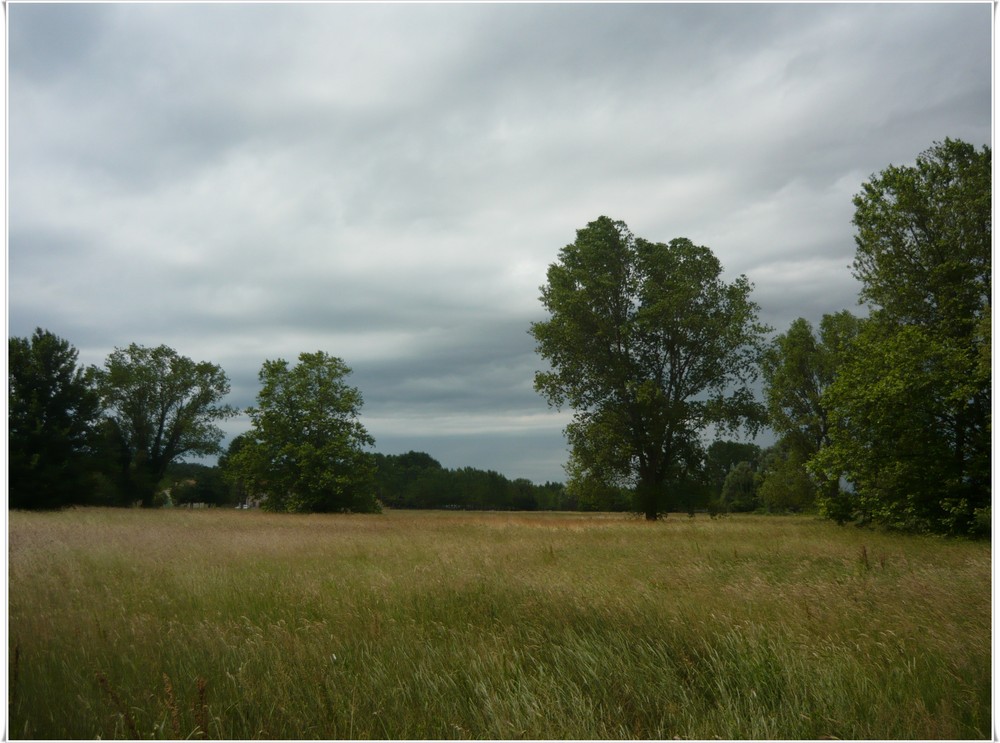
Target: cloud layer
x,y
388,183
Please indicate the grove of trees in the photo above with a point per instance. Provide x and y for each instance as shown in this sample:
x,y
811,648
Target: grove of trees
x,y
883,418
910,403
105,435
798,369
417,480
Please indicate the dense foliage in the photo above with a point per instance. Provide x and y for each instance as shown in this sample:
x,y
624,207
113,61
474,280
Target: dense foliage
x,y
798,368
159,406
51,425
649,346
305,450
417,480
910,406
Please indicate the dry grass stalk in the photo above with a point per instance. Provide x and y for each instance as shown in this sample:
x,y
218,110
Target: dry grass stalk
x,y
201,708
123,710
175,720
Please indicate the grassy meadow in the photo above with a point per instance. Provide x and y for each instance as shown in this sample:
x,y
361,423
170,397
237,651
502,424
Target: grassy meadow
x,y
241,625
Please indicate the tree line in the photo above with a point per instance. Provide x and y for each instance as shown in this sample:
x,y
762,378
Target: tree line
x,y
883,418
412,480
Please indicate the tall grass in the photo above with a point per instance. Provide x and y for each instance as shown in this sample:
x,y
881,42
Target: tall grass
x,y
240,625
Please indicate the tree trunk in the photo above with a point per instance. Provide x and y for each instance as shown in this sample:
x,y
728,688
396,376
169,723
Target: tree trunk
x,y
648,491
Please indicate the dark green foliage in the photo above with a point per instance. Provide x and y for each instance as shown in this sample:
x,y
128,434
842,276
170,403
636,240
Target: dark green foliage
x,y
785,484
694,494
799,367
190,482
417,480
720,458
593,494
306,451
51,424
903,435
411,480
649,346
236,482
159,406
910,407
924,239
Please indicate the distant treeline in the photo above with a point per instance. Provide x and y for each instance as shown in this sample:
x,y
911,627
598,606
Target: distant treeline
x,y
417,480
411,480
731,481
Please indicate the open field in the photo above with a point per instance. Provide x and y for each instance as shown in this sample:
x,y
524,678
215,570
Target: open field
x,y
237,624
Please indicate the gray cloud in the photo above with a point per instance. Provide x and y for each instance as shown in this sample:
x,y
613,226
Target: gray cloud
x,y
388,183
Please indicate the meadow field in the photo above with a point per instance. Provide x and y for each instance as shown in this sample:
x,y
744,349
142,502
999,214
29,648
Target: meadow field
x,y
408,625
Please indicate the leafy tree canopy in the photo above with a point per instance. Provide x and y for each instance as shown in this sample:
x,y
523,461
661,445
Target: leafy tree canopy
x,y
785,483
739,490
306,447
51,423
799,367
911,405
722,456
924,236
649,346
159,406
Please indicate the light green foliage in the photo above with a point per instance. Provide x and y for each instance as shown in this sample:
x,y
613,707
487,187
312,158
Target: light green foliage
x,y
895,409
648,345
721,457
159,406
739,490
305,450
51,423
785,484
420,625
911,405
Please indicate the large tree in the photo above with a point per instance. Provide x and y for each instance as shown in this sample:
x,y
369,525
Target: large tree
x,y
159,406
51,424
650,347
911,405
306,447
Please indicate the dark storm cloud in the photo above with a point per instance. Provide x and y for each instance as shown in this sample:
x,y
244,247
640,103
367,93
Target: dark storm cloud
x,y
389,182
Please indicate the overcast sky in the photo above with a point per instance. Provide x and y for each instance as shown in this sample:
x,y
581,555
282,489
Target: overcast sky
x,y
388,183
